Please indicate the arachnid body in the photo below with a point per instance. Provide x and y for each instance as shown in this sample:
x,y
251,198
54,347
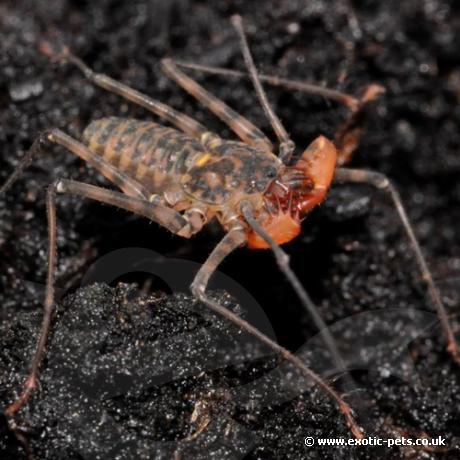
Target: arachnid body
x,y
210,177
182,177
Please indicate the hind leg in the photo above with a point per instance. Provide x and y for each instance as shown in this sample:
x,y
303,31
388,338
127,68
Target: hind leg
x,y
164,216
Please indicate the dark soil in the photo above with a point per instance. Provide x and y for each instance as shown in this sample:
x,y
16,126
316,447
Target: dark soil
x,y
137,370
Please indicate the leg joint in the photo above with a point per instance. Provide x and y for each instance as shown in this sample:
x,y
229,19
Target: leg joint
x,y
197,288
167,64
282,258
49,135
42,138
379,180
58,186
364,176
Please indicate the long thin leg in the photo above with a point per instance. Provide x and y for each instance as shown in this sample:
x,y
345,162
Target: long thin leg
x,y
240,125
381,182
164,216
31,381
348,136
183,122
353,21
282,259
117,177
234,239
351,102
286,144
349,133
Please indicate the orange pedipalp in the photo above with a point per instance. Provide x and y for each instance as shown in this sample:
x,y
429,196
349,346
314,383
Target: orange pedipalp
x,y
319,162
282,227
298,190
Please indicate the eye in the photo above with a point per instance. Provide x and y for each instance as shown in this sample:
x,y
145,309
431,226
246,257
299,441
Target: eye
x,y
271,173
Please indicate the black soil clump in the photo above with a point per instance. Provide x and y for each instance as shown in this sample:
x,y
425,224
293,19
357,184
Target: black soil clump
x,y
135,367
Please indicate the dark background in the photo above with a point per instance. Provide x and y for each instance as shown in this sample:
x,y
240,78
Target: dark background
x,y
352,255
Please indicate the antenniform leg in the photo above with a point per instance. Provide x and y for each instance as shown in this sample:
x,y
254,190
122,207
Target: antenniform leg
x,y
286,145
381,182
282,259
241,126
349,133
234,239
304,186
293,85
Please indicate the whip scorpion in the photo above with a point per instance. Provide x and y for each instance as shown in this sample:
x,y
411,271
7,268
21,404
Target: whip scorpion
x,y
183,177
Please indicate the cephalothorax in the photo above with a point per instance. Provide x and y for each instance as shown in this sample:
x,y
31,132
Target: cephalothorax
x,y
182,178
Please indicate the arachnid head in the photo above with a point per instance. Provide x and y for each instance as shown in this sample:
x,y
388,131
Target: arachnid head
x,y
294,192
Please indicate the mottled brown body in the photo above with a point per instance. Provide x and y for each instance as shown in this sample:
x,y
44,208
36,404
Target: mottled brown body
x,y
209,173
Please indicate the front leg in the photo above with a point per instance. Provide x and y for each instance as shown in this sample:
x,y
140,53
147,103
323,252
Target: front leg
x,y
348,135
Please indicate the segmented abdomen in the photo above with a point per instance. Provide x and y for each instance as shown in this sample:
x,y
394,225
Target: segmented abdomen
x,y
149,152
